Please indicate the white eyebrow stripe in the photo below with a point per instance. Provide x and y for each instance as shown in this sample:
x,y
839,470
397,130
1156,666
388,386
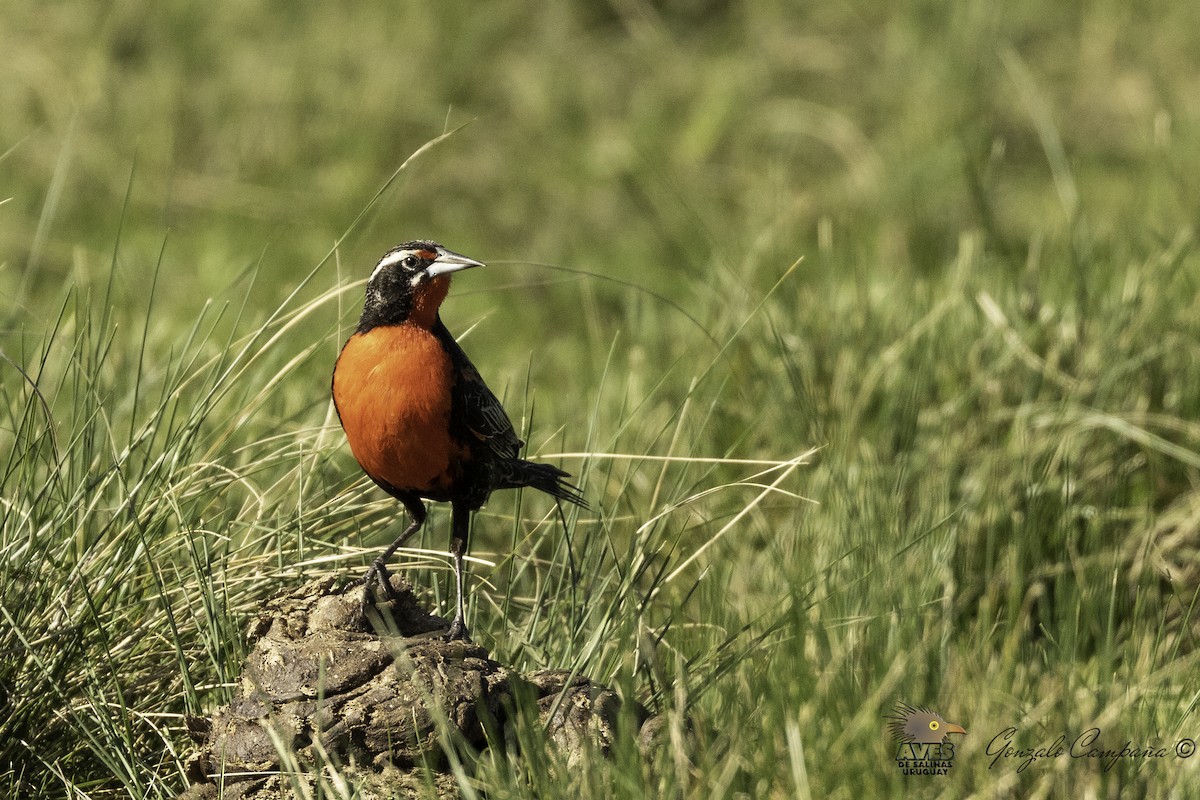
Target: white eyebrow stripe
x,y
388,260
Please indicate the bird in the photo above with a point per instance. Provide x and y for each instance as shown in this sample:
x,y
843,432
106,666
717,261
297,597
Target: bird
x,y
418,417
920,725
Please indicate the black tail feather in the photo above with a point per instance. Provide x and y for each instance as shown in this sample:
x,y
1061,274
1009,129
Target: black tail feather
x,y
548,479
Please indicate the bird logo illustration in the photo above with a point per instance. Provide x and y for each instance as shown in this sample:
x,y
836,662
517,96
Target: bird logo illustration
x,y
920,725
922,747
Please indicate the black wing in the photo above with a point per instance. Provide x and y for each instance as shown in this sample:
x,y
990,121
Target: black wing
x,y
476,414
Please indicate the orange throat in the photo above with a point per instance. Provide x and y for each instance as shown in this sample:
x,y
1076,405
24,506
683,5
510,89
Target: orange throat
x,y
427,299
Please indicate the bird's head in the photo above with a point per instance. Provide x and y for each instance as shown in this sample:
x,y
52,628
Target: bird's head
x,y
409,284
921,725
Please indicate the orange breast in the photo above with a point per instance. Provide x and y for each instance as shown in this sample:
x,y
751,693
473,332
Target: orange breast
x,y
392,390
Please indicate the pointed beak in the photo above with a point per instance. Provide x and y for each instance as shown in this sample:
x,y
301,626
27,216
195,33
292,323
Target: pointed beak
x,y
950,727
448,262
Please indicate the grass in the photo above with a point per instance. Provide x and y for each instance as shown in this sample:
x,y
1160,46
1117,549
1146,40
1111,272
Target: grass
x,y
870,331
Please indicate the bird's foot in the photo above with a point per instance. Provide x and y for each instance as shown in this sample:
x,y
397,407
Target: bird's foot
x,y
458,631
378,574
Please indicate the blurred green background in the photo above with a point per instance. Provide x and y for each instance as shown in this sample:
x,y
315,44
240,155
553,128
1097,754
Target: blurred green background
x,y
991,331
691,137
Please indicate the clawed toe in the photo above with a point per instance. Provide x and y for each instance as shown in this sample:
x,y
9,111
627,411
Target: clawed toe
x,y
458,632
378,574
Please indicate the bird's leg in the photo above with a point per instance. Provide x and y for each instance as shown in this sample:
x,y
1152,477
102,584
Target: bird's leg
x,y
379,571
460,530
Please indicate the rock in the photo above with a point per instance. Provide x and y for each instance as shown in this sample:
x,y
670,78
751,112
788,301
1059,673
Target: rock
x,y
579,715
371,692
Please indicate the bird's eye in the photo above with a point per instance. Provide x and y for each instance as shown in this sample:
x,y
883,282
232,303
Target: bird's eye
x,y
933,725
409,262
